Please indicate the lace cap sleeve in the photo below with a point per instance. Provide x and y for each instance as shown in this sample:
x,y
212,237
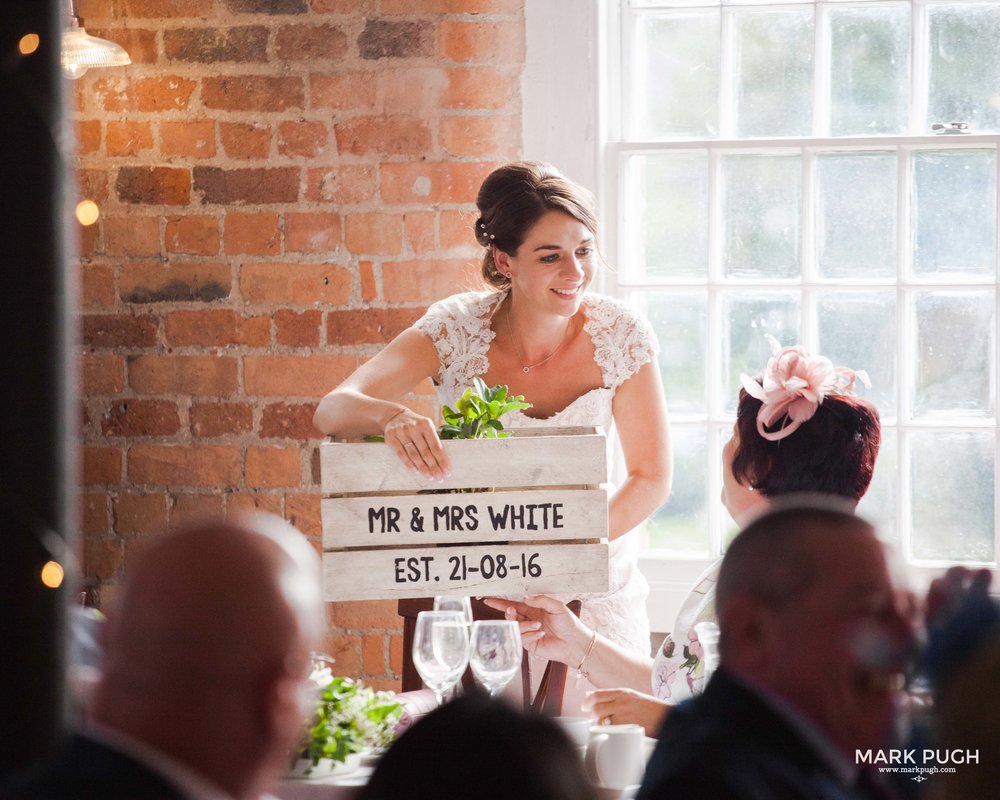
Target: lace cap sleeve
x,y
458,326
623,339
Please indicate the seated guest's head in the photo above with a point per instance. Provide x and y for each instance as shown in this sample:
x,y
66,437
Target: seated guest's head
x,y
476,746
807,612
799,428
208,649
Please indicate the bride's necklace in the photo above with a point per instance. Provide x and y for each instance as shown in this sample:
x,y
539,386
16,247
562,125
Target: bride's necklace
x,y
513,340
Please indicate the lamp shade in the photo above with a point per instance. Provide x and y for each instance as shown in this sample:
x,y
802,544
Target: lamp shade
x,y
80,51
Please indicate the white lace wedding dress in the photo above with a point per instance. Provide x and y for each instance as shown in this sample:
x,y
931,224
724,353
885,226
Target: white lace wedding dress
x,y
459,327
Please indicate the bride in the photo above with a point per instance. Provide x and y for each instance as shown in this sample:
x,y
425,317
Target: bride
x,y
579,358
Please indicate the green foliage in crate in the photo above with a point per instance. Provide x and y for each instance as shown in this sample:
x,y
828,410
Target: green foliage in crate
x,y
477,413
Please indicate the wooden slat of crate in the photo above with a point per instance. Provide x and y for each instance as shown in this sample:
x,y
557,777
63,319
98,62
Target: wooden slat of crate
x,y
400,573
414,519
372,467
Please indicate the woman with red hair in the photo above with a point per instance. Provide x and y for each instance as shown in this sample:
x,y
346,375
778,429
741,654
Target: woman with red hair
x,y
799,428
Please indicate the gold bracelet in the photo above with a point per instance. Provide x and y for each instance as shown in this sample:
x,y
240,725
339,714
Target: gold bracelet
x,y
579,670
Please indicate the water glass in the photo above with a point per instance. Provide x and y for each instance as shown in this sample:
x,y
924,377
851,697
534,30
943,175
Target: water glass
x,y
440,650
708,637
463,605
495,652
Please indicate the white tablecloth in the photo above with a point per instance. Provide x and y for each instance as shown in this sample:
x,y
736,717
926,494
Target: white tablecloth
x,y
337,787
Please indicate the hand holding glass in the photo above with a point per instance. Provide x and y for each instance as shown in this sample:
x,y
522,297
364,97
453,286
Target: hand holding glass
x,y
495,652
440,649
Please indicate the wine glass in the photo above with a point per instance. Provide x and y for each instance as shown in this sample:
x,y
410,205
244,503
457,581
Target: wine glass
x,y
463,605
708,637
495,652
440,650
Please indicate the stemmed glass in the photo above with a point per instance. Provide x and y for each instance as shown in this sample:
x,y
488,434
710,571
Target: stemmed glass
x,y
440,650
463,605
708,637
495,652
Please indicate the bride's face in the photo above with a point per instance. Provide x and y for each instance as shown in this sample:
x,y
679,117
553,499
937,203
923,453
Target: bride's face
x,y
554,265
740,500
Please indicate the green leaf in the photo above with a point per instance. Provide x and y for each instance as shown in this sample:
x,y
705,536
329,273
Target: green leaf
x,y
476,414
513,405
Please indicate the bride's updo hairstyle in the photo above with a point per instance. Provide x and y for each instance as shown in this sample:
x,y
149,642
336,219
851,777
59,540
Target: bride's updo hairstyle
x,y
833,452
513,198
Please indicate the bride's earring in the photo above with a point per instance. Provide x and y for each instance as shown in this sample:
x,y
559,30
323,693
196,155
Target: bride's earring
x,y
508,273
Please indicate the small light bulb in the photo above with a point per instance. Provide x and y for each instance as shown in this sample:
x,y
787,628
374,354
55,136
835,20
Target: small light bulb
x,y
28,44
87,212
52,574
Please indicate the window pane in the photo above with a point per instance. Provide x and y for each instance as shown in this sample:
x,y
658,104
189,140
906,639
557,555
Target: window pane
x,y
680,320
880,252
760,210
856,215
881,500
682,524
858,330
953,491
675,91
869,70
956,353
667,219
964,65
747,317
773,72
954,212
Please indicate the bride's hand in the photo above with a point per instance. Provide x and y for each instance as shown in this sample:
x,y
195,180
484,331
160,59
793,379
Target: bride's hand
x,y
414,439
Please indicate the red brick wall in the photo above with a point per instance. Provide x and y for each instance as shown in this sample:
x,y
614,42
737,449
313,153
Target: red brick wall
x,y
284,185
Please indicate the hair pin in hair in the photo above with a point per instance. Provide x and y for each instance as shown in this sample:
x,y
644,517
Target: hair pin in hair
x,y
794,384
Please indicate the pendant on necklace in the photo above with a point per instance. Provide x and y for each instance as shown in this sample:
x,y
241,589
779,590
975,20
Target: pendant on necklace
x,y
525,369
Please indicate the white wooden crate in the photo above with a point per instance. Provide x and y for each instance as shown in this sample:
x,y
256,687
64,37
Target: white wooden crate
x,y
533,518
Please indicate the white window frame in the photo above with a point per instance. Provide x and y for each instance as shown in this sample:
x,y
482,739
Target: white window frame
x,y
571,116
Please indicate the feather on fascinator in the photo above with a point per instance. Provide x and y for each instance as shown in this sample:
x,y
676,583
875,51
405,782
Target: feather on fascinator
x,y
793,385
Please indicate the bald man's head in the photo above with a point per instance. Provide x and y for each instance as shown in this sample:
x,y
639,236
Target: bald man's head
x,y
208,649
211,606
807,611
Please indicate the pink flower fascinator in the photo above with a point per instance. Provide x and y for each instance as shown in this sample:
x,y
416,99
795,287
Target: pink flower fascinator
x,y
793,385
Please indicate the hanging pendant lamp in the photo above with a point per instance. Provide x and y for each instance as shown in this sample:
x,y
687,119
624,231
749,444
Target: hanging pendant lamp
x,y
80,51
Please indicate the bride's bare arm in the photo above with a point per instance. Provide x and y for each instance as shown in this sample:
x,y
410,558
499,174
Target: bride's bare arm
x,y
641,418
367,403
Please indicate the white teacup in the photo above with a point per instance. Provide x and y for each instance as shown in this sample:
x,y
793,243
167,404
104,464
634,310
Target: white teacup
x,y
577,728
648,746
616,755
